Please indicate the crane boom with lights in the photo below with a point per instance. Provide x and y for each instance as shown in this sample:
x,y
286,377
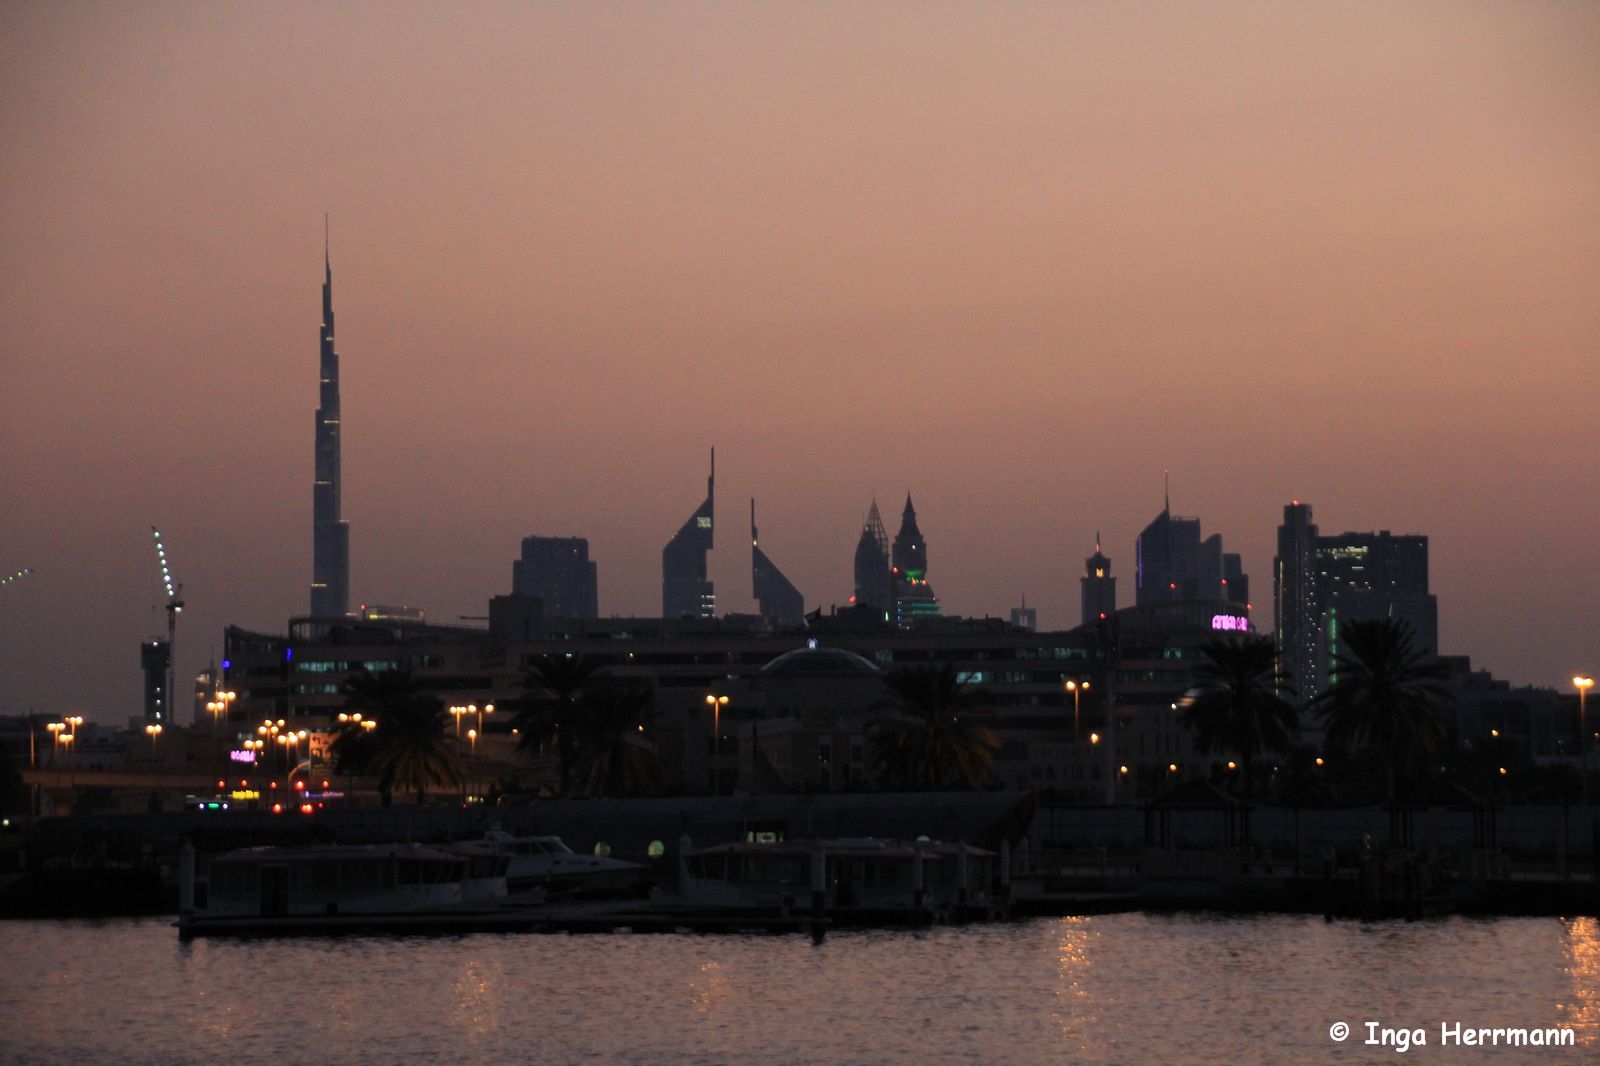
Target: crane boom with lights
x,y
173,605
13,578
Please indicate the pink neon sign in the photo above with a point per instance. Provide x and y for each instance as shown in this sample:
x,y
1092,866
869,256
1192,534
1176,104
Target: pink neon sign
x,y
1231,623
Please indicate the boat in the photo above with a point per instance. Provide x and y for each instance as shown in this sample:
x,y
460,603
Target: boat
x,y
331,888
852,880
546,863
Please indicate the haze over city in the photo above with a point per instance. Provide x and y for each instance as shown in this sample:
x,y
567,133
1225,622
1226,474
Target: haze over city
x,y
1017,261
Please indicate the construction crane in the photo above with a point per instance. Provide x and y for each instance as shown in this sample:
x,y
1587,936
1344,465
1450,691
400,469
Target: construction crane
x,y
13,578
173,605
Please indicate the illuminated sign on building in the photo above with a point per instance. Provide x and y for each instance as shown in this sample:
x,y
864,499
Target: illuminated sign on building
x,y
242,756
1231,623
243,794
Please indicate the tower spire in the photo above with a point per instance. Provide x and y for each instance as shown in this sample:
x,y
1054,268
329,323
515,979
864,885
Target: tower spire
x,y
1166,491
330,534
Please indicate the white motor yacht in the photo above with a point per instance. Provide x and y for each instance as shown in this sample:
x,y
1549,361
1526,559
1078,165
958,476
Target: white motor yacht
x,y
545,862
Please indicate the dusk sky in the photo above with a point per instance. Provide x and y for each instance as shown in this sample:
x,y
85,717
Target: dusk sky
x,y
1014,258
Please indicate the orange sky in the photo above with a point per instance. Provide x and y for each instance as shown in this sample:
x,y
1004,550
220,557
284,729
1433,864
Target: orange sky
x,y
1015,258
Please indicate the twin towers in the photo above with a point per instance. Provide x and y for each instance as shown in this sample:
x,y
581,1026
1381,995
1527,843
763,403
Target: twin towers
x,y
891,583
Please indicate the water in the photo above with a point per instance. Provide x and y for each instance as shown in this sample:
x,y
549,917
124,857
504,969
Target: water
x,y
1117,989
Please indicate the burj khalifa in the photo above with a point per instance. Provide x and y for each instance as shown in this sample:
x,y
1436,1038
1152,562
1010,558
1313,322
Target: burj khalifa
x,y
330,535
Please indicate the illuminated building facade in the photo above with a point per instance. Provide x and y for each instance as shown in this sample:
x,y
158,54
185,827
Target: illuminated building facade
x,y
330,536
1296,610
1322,583
686,592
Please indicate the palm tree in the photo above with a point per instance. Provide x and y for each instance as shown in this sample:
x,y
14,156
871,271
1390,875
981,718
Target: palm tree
x,y
1235,706
612,755
926,745
1387,694
410,748
554,686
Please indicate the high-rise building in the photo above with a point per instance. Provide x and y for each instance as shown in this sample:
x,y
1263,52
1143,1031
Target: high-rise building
x,y
558,572
685,589
781,603
1323,583
330,535
1172,562
1296,611
874,582
913,596
1362,577
155,656
1099,587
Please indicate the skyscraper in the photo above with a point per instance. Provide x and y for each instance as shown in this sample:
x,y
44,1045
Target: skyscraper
x,y
685,590
913,596
1099,587
781,603
874,587
330,536
1295,610
1322,583
558,572
1172,562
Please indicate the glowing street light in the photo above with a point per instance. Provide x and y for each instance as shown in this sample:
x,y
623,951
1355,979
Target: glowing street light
x,y
472,736
1077,688
716,703
218,706
1583,684
456,712
154,731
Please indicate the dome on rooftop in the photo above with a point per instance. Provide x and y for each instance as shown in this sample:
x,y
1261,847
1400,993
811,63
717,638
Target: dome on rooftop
x,y
815,660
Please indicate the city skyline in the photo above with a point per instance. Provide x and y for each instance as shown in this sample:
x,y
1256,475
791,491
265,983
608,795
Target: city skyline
x,y
1093,245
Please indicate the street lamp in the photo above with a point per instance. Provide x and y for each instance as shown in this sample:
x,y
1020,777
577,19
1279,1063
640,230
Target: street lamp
x,y
1583,684
717,703
472,737
1077,688
154,730
218,705
456,712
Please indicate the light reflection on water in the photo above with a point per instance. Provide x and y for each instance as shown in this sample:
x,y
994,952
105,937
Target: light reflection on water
x,y
1119,988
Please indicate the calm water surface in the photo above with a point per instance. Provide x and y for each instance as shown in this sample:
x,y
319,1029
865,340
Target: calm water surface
x,y
1121,988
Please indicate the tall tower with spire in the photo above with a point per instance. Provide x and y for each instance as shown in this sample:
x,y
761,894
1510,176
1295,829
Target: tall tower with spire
x,y
1099,587
781,603
874,586
913,596
685,589
330,534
